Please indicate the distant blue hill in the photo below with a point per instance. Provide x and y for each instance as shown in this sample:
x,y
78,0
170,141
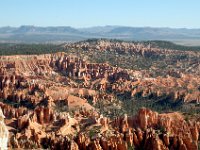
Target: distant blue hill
x,y
34,34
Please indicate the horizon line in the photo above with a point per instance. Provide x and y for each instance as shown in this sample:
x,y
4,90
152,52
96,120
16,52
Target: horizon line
x,y
100,26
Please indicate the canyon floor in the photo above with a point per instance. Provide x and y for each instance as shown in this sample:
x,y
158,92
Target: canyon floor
x,y
102,94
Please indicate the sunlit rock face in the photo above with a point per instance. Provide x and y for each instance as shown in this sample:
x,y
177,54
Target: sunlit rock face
x,y
3,132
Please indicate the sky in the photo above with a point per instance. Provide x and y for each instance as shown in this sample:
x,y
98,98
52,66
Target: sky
x,y
87,13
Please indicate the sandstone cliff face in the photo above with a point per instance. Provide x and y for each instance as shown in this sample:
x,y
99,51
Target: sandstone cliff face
x,y
3,132
25,68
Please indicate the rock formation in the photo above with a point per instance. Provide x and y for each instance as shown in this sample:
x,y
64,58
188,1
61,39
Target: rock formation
x,y
66,101
3,132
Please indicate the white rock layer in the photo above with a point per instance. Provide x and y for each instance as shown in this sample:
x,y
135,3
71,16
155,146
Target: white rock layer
x,y
3,132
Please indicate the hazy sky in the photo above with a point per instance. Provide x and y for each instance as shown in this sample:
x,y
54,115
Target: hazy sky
x,y
86,13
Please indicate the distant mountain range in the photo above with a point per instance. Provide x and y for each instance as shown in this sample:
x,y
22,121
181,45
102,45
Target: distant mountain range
x,y
34,34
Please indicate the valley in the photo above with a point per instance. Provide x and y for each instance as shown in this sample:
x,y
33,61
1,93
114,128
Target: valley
x,y
102,94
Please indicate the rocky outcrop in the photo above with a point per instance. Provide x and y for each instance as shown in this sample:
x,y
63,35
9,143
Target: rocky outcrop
x,y
3,132
174,131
